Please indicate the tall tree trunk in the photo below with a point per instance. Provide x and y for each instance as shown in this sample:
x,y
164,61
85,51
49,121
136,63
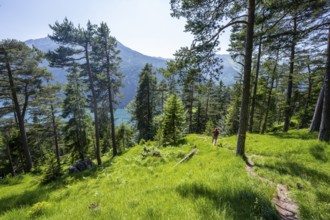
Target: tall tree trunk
x,y
95,110
112,116
316,121
162,100
57,151
255,87
191,97
81,137
310,84
26,100
149,116
268,104
243,120
288,110
26,150
270,95
260,121
207,105
324,134
11,164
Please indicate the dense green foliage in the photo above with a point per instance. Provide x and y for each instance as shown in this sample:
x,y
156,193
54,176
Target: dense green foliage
x,y
20,83
213,184
145,108
77,128
283,32
173,121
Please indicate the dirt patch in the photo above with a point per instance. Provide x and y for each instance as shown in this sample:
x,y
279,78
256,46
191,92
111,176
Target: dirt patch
x,y
286,207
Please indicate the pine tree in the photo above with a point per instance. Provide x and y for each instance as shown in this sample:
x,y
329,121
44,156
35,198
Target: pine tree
x,y
207,31
271,86
46,122
124,137
5,149
173,122
20,83
324,134
105,53
76,130
75,50
145,103
232,117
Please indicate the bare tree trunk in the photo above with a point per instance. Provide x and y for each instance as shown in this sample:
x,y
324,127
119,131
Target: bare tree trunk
x,y
324,134
27,155
95,110
264,126
112,116
310,84
57,152
207,104
288,110
243,120
270,95
259,122
255,87
11,164
149,116
191,100
316,121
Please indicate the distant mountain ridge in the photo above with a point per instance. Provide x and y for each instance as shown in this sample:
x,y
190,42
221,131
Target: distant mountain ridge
x,y
131,66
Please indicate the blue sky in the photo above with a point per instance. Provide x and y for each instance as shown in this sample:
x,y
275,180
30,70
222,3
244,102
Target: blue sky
x,y
143,25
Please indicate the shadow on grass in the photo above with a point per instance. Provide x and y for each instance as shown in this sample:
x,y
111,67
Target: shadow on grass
x,y
43,190
27,198
323,197
304,135
241,204
295,169
182,141
10,181
318,152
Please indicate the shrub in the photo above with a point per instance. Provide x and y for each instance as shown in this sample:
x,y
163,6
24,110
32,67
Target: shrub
x,y
52,169
279,127
159,137
209,128
142,141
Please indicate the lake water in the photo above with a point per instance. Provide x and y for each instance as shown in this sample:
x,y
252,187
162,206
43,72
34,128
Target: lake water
x,y
122,116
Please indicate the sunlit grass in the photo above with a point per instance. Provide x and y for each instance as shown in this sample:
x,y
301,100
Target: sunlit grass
x,y
213,184
298,160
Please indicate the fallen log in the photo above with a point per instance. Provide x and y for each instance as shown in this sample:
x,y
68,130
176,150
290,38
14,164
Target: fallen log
x,y
188,156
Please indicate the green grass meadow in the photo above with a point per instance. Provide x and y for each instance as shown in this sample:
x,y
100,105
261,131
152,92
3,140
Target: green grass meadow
x,y
213,184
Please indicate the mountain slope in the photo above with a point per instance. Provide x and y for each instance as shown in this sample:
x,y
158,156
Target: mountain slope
x,y
213,184
131,66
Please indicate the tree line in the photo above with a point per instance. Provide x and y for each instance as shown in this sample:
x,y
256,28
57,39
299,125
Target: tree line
x,y
42,120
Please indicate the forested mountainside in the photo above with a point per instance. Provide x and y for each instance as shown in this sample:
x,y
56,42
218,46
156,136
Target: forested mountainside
x,y
131,66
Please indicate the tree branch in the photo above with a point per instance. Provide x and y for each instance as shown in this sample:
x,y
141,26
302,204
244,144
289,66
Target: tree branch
x,y
224,27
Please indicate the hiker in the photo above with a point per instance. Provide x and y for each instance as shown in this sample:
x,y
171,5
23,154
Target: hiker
x,y
215,136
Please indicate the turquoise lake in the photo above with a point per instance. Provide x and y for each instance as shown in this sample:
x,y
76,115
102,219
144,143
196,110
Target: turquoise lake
x,y
122,116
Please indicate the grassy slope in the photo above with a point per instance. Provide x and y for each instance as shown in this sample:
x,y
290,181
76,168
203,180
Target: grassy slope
x,y
212,185
297,160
